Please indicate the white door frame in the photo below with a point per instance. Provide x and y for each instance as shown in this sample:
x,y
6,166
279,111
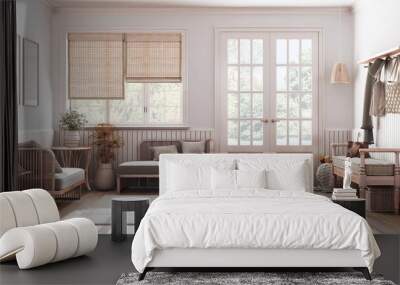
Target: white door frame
x,y
318,120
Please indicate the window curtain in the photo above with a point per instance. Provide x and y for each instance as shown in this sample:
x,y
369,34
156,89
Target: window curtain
x,y
154,57
8,96
96,66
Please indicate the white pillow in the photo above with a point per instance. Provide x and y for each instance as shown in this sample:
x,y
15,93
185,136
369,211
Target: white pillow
x,y
287,175
182,177
281,173
223,179
251,178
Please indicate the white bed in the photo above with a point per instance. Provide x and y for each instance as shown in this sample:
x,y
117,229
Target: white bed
x,y
202,220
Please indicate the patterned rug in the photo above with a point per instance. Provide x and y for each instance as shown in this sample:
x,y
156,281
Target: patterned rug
x,y
253,278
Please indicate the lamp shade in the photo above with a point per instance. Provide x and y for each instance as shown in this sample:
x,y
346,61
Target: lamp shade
x,y
339,74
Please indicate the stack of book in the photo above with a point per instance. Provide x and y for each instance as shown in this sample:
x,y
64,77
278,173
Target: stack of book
x,y
343,194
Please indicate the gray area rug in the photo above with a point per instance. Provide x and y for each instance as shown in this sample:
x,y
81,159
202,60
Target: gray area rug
x,y
244,278
99,216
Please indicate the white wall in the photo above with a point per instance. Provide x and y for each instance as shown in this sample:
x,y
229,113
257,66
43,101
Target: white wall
x,y
376,29
199,25
34,23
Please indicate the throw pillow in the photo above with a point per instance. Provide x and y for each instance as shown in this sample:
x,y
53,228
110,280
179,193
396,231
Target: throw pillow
x,y
251,179
287,175
182,177
353,149
193,147
157,150
223,179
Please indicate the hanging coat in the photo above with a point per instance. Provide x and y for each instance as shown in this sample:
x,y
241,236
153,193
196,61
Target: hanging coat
x,y
371,80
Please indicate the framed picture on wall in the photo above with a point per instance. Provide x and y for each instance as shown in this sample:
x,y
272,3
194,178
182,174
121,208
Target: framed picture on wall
x,y
30,73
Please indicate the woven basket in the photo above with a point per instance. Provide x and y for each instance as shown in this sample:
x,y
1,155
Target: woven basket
x,y
392,89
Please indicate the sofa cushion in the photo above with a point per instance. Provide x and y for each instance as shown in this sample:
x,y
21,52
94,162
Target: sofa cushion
x,y
193,147
374,167
353,149
157,150
138,167
68,177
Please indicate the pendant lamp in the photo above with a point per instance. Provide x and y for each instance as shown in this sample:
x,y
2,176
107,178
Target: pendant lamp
x,y
340,74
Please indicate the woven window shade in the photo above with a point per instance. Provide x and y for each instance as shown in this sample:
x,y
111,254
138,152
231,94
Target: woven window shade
x,y
154,57
96,62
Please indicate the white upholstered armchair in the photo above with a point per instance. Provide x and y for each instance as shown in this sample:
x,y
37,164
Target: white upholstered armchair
x,y
31,231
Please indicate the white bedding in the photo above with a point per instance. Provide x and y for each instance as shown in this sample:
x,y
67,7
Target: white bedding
x,y
251,218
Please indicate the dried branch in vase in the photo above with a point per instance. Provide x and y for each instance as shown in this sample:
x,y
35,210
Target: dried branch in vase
x,y
106,142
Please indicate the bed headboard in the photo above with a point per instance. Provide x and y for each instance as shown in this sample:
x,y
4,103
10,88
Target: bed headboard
x,y
211,159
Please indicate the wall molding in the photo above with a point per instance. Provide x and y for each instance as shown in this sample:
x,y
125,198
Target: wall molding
x,y
131,10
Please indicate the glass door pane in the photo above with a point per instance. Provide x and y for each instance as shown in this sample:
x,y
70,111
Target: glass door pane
x,y
293,109
244,91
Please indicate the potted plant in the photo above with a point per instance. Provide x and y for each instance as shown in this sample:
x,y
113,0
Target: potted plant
x,y
71,122
105,143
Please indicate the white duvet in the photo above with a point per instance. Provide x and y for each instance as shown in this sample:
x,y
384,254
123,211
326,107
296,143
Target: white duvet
x,y
250,219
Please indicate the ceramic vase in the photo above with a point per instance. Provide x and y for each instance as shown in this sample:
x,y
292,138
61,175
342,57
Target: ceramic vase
x,y
104,179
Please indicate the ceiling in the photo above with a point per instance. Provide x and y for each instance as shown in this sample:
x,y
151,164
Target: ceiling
x,y
200,3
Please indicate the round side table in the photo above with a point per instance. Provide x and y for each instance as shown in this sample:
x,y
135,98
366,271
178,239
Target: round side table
x,y
119,207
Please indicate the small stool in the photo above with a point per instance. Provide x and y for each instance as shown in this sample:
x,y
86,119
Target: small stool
x,y
120,206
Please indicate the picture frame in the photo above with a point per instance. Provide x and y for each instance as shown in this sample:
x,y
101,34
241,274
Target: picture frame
x,y
30,73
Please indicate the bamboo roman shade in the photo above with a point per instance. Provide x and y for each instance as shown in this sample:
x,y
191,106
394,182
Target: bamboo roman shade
x,y
96,62
153,57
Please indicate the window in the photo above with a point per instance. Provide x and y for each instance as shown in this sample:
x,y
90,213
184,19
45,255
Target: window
x,y
144,104
294,92
152,81
245,91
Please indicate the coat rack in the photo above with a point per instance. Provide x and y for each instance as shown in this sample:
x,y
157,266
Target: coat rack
x,y
391,53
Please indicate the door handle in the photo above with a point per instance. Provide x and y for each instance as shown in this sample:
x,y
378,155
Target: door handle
x,y
264,120
275,120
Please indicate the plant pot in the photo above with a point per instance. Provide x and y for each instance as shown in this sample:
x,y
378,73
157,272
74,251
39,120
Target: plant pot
x,y
104,179
71,138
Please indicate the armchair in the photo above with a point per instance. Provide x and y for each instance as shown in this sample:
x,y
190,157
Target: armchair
x,y
37,169
31,231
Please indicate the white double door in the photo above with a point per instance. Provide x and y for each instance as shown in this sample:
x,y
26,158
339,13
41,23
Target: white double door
x,y
268,87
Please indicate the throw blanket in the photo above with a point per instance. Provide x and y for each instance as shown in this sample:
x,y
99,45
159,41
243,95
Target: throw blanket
x,y
252,218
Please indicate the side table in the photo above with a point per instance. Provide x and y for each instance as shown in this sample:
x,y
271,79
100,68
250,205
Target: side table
x,y
357,205
79,157
119,207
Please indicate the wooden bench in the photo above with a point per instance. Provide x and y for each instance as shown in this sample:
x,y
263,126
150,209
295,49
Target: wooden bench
x,y
372,172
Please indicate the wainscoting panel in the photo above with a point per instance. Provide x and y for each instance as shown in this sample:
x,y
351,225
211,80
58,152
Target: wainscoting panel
x,y
336,136
132,138
387,134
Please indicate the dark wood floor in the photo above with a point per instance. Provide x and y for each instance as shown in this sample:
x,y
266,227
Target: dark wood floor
x,y
110,259
103,266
